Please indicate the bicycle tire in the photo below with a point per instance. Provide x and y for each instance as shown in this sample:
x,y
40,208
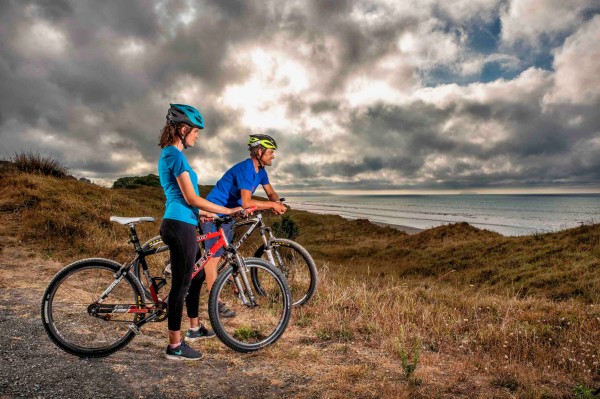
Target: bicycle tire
x,y
252,328
65,312
157,264
296,265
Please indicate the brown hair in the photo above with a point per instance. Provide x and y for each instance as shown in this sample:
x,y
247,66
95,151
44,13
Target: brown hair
x,y
168,134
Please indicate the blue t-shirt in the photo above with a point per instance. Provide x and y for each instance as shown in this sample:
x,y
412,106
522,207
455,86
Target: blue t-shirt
x,y
241,176
171,164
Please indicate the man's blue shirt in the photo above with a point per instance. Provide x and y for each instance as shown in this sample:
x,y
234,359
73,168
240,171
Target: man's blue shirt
x,y
171,164
242,176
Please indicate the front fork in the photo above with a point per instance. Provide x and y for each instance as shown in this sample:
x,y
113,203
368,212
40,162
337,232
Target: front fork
x,y
267,241
242,282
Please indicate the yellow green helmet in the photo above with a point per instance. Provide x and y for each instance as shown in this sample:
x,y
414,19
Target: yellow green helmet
x,y
262,140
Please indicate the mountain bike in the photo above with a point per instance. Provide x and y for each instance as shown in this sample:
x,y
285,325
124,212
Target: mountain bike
x,y
94,307
290,257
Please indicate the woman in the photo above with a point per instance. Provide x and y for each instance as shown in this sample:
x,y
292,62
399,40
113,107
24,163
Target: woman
x,y
178,229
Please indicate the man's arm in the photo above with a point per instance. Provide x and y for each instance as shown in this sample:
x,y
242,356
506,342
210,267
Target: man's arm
x,y
248,201
271,194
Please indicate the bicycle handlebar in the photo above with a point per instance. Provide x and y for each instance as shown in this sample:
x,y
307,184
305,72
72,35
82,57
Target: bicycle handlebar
x,y
244,213
228,218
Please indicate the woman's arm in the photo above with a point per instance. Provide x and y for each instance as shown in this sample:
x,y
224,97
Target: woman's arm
x,y
187,189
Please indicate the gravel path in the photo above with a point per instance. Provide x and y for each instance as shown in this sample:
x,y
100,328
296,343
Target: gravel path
x,y
33,367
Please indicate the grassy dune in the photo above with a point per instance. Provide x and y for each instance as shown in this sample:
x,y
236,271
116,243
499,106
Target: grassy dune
x,y
486,315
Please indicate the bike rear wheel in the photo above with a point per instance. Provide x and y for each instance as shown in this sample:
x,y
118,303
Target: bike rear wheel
x,y
257,325
70,302
297,266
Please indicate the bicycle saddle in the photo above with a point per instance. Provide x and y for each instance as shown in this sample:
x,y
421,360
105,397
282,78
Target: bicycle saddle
x,y
123,220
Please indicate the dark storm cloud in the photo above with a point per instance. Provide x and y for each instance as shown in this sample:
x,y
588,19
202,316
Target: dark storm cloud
x,y
53,10
231,9
324,106
101,167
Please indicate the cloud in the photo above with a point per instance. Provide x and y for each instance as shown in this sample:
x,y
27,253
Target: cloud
x,y
577,78
365,95
467,10
529,21
480,135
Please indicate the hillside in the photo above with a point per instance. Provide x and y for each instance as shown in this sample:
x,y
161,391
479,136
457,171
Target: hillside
x,y
489,316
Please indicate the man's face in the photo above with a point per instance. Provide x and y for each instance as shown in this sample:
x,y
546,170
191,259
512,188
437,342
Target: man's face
x,y
267,156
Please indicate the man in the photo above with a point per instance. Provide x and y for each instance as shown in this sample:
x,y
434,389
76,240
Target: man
x,y
236,187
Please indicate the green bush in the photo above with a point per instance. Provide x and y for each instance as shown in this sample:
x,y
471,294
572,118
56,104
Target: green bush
x,y
287,228
409,366
582,392
137,181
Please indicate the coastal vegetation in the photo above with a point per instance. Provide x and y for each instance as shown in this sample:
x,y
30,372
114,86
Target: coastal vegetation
x,y
453,311
150,180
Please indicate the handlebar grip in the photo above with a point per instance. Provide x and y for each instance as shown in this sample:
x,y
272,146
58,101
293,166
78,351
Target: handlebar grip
x,y
248,211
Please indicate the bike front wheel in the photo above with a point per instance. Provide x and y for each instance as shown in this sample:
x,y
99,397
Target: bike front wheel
x,y
297,266
77,322
262,315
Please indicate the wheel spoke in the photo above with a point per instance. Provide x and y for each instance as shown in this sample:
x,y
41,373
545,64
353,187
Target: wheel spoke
x,y
253,326
70,321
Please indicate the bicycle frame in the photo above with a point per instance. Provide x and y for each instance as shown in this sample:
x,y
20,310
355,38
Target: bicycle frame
x,y
155,283
256,222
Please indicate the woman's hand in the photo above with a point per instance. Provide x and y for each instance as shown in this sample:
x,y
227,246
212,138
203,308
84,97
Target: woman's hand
x,y
206,216
233,211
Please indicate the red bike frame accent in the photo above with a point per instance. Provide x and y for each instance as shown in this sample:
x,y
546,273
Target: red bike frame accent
x,y
221,242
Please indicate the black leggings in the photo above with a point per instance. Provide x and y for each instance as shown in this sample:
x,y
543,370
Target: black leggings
x,y
184,250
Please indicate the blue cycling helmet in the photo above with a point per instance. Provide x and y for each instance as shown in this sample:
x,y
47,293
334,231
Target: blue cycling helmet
x,y
181,113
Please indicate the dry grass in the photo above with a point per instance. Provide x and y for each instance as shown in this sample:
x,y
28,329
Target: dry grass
x,y
538,342
37,163
493,316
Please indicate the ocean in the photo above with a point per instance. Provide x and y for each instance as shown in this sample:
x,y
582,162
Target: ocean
x,y
506,214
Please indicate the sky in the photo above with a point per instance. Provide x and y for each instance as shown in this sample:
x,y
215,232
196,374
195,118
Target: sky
x,y
379,96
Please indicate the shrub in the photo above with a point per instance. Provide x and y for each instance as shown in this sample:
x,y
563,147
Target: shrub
x,y
582,392
137,181
287,228
408,366
36,163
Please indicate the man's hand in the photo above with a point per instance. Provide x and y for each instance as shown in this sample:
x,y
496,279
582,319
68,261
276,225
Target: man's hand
x,y
279,208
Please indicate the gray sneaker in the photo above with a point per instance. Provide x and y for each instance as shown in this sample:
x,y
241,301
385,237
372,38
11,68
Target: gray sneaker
x,y
224,311
182,352
202,333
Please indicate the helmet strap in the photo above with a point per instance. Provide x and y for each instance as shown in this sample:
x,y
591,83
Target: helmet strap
x,y
181,137
255,152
